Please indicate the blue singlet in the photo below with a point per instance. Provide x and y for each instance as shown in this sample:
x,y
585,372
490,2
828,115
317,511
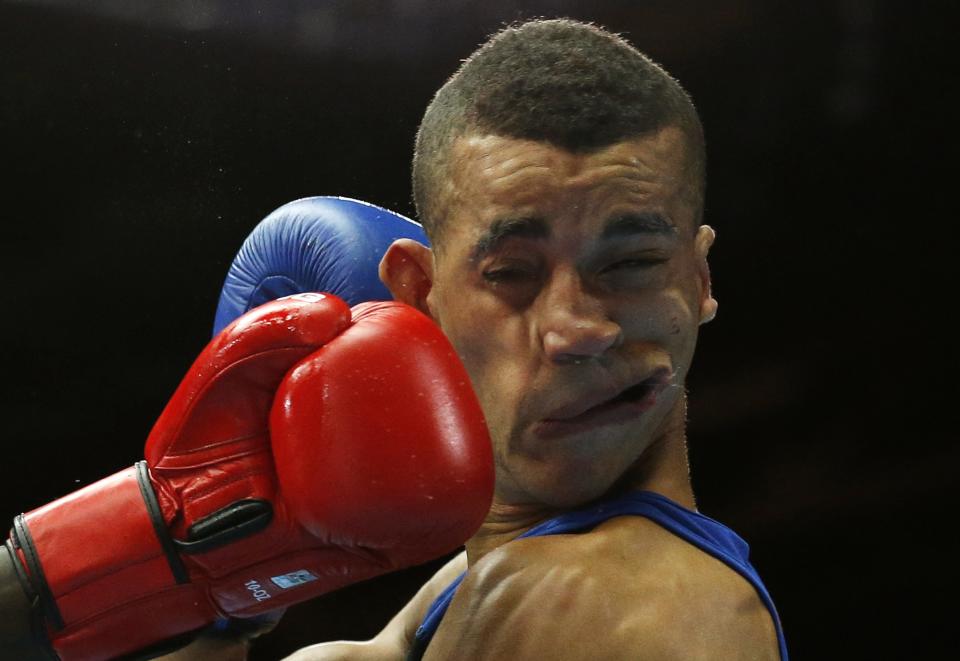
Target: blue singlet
x,y
708,535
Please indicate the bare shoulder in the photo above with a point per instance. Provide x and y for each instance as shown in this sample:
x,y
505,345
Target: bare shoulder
x,y
394,642
628,589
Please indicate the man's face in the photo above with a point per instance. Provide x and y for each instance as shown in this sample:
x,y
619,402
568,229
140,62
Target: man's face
x,y
572,286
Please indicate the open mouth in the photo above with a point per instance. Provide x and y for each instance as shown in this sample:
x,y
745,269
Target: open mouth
x,y
641,393
624,407
634,393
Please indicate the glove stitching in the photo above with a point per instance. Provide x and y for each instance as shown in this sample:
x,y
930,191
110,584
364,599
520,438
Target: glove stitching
x,y
305,348
239,439
220,485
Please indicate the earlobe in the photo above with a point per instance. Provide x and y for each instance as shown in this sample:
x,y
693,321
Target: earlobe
x,y
708,304
708,309
407,271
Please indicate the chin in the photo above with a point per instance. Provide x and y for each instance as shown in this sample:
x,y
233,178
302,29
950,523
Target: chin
x,y
578,469
573,498
571,486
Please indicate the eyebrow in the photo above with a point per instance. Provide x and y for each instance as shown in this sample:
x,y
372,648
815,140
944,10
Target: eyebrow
x,y
509,228
631,224
620,227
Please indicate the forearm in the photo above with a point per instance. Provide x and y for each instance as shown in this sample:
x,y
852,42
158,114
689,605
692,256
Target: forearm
x,y
343,650
207,648
21,635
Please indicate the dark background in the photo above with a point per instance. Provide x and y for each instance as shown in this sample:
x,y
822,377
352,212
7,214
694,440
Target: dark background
x,y
141,141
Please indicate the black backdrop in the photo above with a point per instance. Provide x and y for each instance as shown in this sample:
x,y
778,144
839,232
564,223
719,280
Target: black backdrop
x,y
139,146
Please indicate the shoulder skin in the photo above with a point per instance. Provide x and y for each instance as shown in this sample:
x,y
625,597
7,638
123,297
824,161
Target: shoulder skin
x,y
627,590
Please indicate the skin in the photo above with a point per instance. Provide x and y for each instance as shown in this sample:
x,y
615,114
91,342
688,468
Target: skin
x,y
561,280
572,314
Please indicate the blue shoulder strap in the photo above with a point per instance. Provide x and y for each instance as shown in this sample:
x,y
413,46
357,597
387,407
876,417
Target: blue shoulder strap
x,y
710,536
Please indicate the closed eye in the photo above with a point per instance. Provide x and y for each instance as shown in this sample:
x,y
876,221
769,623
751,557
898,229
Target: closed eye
x,y
627,264
515,285
507,275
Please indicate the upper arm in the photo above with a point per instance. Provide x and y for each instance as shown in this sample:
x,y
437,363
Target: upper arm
x,y
396,638
520,603
524,604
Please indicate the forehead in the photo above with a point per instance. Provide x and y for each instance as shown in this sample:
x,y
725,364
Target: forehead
x,y
494,178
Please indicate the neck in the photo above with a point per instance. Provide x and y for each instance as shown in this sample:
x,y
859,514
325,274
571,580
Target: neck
x,y
505,522
662,468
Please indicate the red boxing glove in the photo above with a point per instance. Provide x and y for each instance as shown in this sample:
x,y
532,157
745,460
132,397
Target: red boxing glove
x,y
305,450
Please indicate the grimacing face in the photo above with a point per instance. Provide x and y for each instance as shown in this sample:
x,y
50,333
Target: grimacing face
x,y
572,286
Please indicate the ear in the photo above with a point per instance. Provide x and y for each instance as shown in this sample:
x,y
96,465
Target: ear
x,y
407,271
702,242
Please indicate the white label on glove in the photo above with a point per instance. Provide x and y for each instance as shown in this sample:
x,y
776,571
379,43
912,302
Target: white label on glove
x,y
257,591
293,579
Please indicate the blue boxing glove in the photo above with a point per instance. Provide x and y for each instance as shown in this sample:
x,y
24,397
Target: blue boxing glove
x,y
316,244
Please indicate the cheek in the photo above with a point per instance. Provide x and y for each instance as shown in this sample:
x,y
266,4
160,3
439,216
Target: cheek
x,y
493,365
667,319
492,350
682,323
665,315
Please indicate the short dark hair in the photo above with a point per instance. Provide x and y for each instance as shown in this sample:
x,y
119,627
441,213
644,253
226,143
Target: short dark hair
x,y
567,83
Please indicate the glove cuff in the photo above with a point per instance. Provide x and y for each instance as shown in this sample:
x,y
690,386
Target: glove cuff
x,y
105,573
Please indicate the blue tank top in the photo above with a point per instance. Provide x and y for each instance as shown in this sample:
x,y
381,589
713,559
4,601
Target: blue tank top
x,y
711,537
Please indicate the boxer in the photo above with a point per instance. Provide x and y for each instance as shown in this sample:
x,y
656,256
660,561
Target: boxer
x,y
560,177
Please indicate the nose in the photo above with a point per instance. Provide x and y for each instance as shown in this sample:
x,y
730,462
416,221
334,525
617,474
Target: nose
x,y
575,325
